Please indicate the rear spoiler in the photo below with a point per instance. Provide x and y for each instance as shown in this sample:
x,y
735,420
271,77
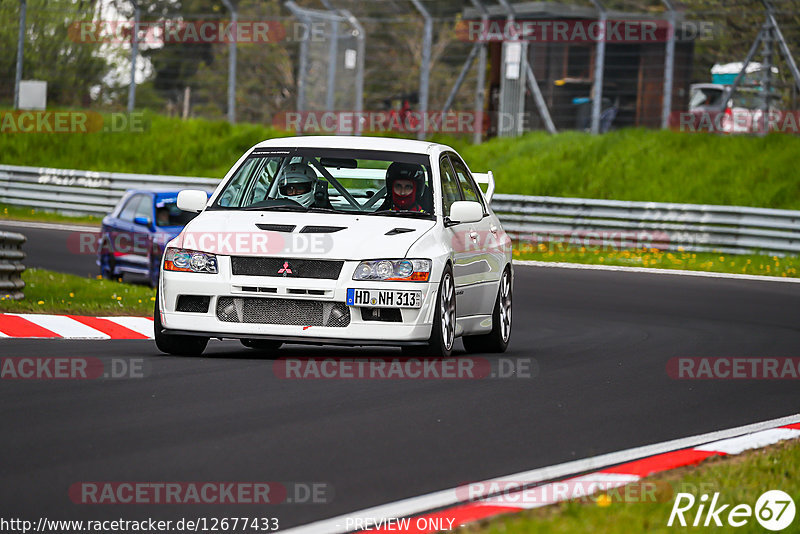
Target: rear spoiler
x,y
485,178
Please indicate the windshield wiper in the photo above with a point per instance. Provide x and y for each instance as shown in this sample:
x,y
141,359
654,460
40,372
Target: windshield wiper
x,y
275,208
414,214
323,210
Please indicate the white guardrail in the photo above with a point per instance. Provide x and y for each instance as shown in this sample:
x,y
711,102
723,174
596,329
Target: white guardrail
x,y
569,221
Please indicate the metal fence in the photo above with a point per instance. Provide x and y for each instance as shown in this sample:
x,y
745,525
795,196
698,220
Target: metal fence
x,y
404,56
11,267
83,192
569,221
579,222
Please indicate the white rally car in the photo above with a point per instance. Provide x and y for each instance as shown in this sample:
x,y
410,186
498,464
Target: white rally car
x,y
340,240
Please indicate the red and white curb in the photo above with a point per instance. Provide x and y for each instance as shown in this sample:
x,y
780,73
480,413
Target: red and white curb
x,y
605,472
39,326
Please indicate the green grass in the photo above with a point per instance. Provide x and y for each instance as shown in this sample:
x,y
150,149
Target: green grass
x,y
739,480
648,165
52,292
750,264
195,147
631,164
18,213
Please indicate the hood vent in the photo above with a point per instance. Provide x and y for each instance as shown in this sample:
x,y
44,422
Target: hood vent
x,y
277,227
321,229
395,231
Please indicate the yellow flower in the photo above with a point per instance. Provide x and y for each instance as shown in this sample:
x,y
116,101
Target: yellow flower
x,y
99,277
604,500
40,302
119,298
71,294
152,299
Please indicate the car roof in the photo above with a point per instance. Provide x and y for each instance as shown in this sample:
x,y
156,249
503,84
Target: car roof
x,y
389,144
158,193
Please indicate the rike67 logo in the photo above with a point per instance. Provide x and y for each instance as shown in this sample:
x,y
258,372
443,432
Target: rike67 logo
x,y
774,510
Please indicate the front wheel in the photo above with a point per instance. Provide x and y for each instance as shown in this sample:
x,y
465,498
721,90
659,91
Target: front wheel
x,y
497,339
443,334
176,345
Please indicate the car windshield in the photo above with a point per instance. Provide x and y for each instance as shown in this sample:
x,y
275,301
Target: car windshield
x,y
331,180
703,97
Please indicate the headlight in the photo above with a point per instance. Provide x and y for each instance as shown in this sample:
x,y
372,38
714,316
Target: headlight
x,y
406,270
191,261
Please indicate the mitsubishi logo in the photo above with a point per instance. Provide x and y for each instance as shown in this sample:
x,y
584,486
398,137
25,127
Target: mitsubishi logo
x,y
285,270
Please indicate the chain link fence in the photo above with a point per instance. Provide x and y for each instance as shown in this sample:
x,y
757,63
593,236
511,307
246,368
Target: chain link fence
x,y
391,65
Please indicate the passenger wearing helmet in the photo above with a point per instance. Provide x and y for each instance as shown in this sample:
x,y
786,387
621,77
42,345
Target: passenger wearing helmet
x,y
404,185
297,182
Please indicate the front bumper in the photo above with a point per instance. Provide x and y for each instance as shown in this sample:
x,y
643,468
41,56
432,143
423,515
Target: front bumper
x,y
414,328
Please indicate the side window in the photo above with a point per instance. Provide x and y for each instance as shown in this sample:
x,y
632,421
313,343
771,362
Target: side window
x,y
129,211
467,184
450,191
145,208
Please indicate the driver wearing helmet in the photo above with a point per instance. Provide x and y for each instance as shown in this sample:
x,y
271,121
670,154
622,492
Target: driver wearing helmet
x,y
297,182
404,184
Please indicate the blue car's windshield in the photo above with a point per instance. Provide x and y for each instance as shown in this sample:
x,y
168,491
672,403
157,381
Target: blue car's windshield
x,y
168,214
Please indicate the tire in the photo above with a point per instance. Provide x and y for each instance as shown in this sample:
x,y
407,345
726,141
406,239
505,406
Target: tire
x,y
262,345
176,345
496,340
107,262
443,333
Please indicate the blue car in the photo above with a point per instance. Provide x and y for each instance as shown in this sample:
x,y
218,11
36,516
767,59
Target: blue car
x,y
133,236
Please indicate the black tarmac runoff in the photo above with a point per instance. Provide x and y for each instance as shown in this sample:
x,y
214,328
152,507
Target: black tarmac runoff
x,y
601,347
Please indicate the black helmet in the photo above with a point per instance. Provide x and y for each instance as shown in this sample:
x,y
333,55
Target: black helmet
x,y
405,171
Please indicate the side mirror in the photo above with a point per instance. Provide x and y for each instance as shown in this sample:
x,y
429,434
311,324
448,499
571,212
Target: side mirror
x,y
465,211
192,200
142,221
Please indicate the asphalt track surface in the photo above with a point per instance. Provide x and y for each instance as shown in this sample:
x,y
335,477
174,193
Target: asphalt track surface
x,y
601,341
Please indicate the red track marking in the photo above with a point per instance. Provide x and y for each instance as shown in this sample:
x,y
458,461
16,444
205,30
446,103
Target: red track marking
x,y
111,328
661,462
14,326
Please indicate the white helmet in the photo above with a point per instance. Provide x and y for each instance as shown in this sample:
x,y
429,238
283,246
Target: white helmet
x,y
296,182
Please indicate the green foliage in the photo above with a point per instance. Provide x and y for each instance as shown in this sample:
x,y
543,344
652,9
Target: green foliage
x,y
52,292
52,51
630,164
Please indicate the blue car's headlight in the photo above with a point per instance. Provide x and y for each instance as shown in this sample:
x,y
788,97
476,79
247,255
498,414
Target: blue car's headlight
x,y
178,259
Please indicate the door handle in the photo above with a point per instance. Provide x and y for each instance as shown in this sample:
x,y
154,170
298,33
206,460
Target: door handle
x,y
493,229
473,235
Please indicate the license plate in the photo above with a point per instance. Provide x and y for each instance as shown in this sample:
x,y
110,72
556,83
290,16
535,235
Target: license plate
x,y
379,298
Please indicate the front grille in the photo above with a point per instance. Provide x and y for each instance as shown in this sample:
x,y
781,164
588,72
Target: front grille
x,y
192,303
290,268
283,311
386,315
